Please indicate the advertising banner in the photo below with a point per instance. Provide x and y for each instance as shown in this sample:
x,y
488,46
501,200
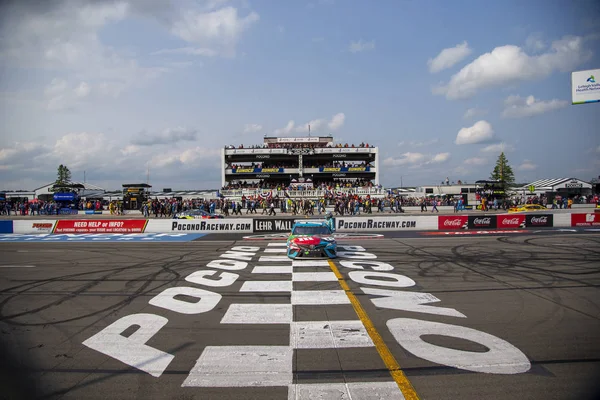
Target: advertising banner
x,y
345,169
237,225
64,197
539,220
273,225
100,226
511,221
482,222
297,140
243,170
269,170
364,224
590,219
585,86
6,227
453,223
33,226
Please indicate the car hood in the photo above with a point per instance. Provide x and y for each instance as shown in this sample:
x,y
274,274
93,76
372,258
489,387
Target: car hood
x,y
311,240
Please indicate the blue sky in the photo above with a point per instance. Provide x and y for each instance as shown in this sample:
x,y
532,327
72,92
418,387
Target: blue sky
x,y
110,87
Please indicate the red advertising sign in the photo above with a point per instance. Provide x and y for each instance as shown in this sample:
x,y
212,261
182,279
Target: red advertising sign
x,y
511,221
452,223
100,226
591,219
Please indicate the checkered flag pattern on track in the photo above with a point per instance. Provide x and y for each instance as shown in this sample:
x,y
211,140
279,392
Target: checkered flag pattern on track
x,y
321,358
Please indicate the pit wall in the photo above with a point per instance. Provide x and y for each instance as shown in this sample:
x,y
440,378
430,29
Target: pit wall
x,y
264,225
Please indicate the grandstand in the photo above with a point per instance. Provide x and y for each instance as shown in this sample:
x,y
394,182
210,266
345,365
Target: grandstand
x,y
300,167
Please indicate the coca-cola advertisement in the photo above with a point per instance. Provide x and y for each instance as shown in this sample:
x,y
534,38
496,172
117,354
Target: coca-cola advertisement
x,y
511,221
539,221
482,221
453,223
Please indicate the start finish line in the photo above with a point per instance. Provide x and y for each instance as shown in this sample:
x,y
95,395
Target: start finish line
x,y
102,237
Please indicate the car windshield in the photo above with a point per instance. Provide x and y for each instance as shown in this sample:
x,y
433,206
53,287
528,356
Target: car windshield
x,y
311,230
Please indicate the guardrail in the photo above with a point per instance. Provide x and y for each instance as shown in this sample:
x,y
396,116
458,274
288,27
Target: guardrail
x,y
343,224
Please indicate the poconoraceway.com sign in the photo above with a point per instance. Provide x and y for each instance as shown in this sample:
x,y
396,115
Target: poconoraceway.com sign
x,y
360,224
237,225
203,226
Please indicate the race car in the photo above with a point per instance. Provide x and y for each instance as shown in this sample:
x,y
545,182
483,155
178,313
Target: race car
x,y
311,240
528,207
197,214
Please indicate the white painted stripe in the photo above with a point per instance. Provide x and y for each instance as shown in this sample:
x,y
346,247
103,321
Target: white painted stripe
x,y
266,286
258,314
350,390
282,269
277,244
310,263
273,258
319,297
313,277
17,266
329,335
275,250
242,366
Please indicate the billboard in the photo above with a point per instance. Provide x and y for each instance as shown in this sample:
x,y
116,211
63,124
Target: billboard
x,y
585,86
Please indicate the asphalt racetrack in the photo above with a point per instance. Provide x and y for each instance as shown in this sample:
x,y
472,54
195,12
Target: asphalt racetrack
x,y
518,317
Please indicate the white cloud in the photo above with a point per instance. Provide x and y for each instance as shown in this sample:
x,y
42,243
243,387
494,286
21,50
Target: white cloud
x,y
82,90
168,136
252,128
498,148
535,43
510,64
316,125
480,132
361,45
406,159
62,37
87,151
449,57
337,121
414,159
474,112
218,30
440,158
476,161
285,130
598,149
131,150
519,107
527,165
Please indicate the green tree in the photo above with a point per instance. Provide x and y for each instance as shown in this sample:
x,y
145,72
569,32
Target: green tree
x,y
502,171
63,176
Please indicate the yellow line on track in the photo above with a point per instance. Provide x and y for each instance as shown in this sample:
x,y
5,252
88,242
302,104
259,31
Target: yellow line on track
x,y
386,355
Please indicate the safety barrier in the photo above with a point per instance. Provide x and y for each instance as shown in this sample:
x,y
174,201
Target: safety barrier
x,y
343,224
